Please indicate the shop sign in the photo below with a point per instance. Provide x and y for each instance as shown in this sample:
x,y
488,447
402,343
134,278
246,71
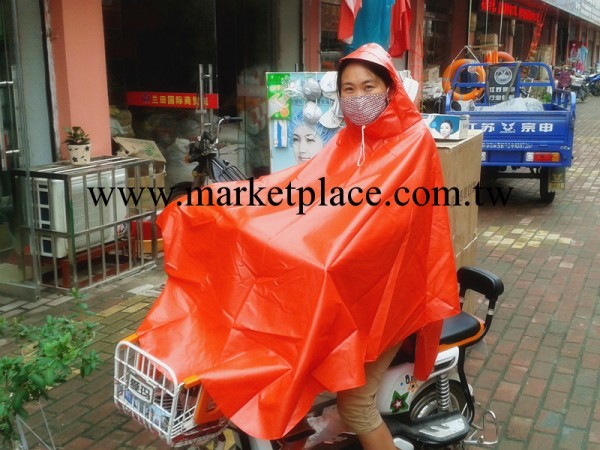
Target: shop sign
x,y
171,100
511,10
501,83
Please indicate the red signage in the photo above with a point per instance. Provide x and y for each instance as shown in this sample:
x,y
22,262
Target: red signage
x,y
511,10
171,100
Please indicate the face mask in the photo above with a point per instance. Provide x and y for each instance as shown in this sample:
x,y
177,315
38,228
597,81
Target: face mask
x,y
312,89
363,109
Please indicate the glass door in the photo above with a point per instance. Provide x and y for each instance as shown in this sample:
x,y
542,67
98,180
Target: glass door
x,y
13,274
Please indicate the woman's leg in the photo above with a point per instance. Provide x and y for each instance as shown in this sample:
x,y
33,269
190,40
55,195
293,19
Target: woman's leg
x,y
358,410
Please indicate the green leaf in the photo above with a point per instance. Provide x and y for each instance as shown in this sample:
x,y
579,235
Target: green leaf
x,y
49,376
38,381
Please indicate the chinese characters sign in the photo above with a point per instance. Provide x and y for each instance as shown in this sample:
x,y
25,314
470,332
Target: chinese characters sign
x,y
171,100
501,83
514,127
511,10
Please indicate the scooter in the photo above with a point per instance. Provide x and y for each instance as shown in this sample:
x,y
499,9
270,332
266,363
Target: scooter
x,y
592,83
578,86
437,413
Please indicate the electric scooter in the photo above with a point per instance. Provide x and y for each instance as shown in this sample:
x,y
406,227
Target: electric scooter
x,y
438,412
592,82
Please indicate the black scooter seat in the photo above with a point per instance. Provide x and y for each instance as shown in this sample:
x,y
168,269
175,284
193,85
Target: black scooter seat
x,y
459,328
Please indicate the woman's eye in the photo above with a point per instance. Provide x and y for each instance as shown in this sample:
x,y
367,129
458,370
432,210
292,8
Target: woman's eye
x,y
296,138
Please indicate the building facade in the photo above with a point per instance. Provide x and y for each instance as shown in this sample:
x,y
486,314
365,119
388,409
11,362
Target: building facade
x,y
105,65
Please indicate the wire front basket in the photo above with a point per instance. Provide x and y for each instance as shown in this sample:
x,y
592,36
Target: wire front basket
x,y
147,389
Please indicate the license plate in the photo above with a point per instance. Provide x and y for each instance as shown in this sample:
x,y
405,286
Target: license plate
x,y
140,389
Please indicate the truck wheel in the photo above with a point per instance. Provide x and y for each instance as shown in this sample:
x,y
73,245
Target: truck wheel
x,y
546,195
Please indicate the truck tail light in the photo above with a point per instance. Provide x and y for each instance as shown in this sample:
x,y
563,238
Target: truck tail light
x,y
542,157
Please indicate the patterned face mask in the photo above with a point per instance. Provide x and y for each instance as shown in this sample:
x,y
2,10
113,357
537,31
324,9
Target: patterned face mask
x,y
363,109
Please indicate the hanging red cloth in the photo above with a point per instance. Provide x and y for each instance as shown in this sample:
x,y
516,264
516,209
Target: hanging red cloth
x,y
270,307
348,12
400,28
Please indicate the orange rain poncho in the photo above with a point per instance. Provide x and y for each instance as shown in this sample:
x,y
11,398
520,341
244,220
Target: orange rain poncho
x,y
270,307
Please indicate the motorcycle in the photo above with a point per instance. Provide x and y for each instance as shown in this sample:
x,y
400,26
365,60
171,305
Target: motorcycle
x,y
438,412
592,83
578,86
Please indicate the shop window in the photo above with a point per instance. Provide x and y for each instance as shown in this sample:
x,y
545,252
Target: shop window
x,y
436,41
154,46
331,47
437,33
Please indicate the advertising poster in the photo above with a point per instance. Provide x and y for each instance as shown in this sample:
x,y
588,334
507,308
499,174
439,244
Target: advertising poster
x,y
304,114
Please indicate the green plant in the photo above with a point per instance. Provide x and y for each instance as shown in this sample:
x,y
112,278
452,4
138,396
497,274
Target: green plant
x,y
76,136
48,355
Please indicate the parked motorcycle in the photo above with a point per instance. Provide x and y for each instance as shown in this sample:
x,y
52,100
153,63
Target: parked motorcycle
x,y
578,86
439,412
592,83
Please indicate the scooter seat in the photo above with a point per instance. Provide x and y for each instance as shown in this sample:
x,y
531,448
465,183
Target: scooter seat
x,y
461,329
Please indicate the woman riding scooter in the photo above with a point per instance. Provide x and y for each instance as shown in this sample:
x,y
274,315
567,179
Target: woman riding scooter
x,y
271,305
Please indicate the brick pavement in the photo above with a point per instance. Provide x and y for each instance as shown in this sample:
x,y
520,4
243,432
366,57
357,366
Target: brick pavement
x,y
540,374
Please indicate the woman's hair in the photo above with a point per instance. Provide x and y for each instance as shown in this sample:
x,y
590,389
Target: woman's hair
x,y
297,120
381,71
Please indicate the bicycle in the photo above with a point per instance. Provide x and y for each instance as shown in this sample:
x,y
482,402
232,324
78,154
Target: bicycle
x,y
210,166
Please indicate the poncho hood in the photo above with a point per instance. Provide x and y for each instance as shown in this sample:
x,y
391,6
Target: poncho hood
x,y
400,114
271,305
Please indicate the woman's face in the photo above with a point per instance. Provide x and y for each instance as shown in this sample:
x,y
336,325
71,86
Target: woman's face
x,y
445,129
306,143
358,80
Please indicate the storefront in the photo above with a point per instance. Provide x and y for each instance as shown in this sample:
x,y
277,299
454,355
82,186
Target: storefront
x,y
132,68
437,33
509,25
25,132
156,51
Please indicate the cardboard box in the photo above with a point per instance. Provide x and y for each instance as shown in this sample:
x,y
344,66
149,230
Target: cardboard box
x,y
145,247
461,167
144,239
431,74
447,126
488,41
148,185
143,149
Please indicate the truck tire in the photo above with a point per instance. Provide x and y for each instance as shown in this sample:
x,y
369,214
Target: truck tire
x,y
546,195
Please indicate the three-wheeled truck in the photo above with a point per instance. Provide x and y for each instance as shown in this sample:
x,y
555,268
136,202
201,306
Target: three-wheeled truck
x,y
523,137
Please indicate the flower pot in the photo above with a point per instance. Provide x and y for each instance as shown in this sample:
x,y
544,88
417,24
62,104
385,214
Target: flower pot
x,y
80,154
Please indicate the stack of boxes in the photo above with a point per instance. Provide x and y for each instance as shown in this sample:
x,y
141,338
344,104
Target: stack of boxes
x,y
461,167
147,188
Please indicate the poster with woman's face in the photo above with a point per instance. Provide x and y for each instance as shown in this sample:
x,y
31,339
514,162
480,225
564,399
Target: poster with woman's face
x,y
304,115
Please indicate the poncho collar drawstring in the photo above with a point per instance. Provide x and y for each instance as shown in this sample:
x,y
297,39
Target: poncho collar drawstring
x,y
361,155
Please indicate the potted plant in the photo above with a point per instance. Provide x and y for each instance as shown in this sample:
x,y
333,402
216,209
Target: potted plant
x,y
78,143
47,355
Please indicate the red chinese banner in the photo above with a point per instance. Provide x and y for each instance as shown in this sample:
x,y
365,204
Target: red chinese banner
x,y
511,10
171,100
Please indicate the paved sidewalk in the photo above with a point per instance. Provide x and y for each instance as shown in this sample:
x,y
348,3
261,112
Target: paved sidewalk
x,y
540,375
